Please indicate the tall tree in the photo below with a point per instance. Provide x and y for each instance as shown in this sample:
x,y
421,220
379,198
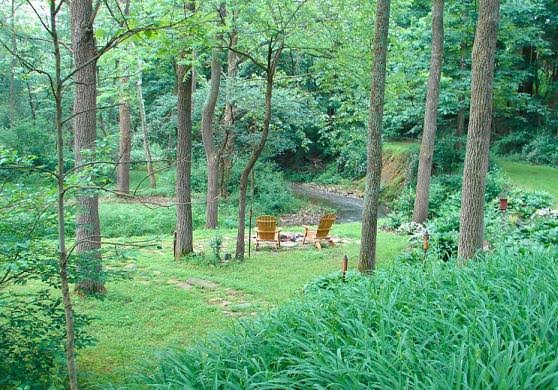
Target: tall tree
x,y
88,235
211,152
420,212
367,260
125,124
144,130
184,89
471,229
13,63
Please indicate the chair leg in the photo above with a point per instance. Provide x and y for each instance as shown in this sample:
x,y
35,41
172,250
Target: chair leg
x,y
318,245
305,235
257,245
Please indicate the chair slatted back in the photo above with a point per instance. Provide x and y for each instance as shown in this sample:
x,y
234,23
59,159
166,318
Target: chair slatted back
x,y
325,225
267,225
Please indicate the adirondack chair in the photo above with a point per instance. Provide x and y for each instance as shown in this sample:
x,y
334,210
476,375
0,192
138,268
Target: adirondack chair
x,y
266,230
321,233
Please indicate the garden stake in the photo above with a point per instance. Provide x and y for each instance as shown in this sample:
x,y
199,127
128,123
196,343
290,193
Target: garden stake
x,y
250,215
503,206
344,265
425,242
174,245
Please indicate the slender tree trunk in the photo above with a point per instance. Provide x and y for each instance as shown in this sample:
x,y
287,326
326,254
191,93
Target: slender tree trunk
x,y
31,103
480,118
88,235
461,111
124,119
13,64
420,212
228,120
184,229
212,205
367,260
143,122
60,190
243,185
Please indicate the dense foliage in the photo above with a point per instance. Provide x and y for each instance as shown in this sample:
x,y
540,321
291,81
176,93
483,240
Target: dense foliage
x,y
440,326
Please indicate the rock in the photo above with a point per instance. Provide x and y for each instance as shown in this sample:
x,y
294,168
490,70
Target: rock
x,y
184,286
202,283
130,267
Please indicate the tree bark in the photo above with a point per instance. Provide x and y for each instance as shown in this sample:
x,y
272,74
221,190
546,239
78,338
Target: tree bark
x,y
143,122
480,118
273,58
124,120
125,147
461,112
367,261
420,212
212,156
13,63
88,235
184,229
228,120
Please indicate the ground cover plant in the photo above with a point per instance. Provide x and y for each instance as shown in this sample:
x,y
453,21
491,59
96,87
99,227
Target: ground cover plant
x,y
491,322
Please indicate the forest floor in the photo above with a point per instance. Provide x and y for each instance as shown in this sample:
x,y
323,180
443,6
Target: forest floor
x,y
532,177
163,304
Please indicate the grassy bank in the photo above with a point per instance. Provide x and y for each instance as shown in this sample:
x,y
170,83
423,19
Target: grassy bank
x,y
532,177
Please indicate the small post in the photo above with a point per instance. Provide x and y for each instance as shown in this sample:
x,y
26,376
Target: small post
x,y
503,206
174,245
344,266
425,242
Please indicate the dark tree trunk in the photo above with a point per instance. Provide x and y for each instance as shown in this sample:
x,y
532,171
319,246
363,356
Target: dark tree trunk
x,y
85,120
124,119
31,103
212,155
273,58
367,260
184,230
480,118
420,212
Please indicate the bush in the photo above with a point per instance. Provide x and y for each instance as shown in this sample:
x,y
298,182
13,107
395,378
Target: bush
x,y
543,149
491,323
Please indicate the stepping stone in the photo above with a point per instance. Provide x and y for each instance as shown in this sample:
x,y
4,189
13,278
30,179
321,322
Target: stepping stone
x,y
202,283
241,306
130,267
184,286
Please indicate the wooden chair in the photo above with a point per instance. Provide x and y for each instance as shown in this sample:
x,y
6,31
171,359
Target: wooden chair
x,y
321,233
266,230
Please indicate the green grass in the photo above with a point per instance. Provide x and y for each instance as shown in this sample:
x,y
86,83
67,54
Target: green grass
x,y
489,324
400,147
146,313
532,177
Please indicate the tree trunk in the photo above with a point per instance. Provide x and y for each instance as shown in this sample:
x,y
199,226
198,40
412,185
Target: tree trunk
x,y
184,229
228,120
13,63
88,235
461,111
367,260
420,212
480,118
124,119
147,151
31,103
60,190
243,185
212,206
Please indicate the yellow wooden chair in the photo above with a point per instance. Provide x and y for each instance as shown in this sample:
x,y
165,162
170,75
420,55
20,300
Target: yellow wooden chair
x,y
321,233
266,230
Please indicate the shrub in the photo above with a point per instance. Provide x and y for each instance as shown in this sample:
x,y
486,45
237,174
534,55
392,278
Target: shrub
x,y
543,149
491,323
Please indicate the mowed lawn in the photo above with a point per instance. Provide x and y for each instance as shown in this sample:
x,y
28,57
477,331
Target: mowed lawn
x,y
156,308
532,177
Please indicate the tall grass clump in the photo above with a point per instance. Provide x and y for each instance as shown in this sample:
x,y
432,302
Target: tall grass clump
x,y
492,323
